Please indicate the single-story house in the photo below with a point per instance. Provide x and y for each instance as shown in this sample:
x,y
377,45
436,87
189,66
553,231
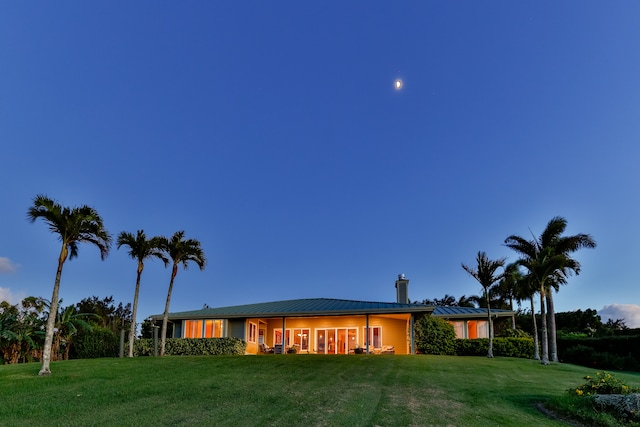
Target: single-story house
x,y
327,326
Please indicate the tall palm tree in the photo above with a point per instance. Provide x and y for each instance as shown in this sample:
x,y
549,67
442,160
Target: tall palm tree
x,y
507,288
549,264
180,251
73,225
485,274
140,248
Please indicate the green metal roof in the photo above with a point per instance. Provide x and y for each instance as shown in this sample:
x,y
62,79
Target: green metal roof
x,y
300,308
461,312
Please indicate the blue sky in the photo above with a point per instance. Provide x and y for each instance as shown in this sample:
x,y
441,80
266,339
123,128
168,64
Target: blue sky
x,y
273,134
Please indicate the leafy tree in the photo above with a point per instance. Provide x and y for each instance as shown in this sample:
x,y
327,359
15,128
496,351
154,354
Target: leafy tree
x,y
549,264
485,274
146,328
8,325
180,251
107,314
616,325
73,225
140,249
21,327
586,322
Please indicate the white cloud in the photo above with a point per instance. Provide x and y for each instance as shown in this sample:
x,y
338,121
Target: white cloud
x,y
7,266
10,297
629,312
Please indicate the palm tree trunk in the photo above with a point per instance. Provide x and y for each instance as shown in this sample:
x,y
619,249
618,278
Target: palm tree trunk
x,y
53,311
67,348
490,351
513,318
543,329
551,314
536,343
165,317
132,332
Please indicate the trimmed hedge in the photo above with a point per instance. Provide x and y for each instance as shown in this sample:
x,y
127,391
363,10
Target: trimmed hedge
x,y
616,345
613,352
191,346
508,347
99,342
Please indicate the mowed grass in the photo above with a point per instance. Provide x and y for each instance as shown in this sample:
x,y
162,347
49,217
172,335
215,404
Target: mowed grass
x,y
296,390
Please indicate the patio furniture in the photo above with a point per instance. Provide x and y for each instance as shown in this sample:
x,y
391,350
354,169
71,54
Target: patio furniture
x,y
265,349
388,349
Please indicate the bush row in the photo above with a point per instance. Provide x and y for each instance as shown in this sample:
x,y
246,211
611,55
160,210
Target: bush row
x,y
616,345
509,347
192,346
586,356
614,352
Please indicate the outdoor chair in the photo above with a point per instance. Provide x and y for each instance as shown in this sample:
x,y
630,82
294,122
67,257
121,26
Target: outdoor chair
x,y
388,349
265,349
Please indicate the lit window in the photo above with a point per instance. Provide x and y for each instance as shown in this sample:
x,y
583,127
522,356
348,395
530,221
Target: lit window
x,y
459,328
213,329
193,328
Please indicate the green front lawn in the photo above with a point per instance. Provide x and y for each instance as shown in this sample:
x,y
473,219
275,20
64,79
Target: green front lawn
x,y
295,390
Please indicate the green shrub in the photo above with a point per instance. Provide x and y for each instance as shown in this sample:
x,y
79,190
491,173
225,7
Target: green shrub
x,y
100,342
602,383
192,346
508,347
434,335
513,347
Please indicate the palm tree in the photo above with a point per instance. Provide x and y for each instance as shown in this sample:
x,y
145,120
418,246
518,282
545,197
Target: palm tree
x,y
181,252
485,274
73,225
526,290
507,287
470,301
549,264
140,248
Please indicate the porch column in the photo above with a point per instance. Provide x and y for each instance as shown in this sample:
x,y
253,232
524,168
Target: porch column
x,y
284,335
411,325
366,338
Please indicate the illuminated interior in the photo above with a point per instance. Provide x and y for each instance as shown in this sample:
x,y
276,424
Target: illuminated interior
x,y
203,329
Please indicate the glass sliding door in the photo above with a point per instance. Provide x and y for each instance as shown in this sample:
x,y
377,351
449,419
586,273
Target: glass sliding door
x,y
301,339
352,340
336,341
331,341
321,336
